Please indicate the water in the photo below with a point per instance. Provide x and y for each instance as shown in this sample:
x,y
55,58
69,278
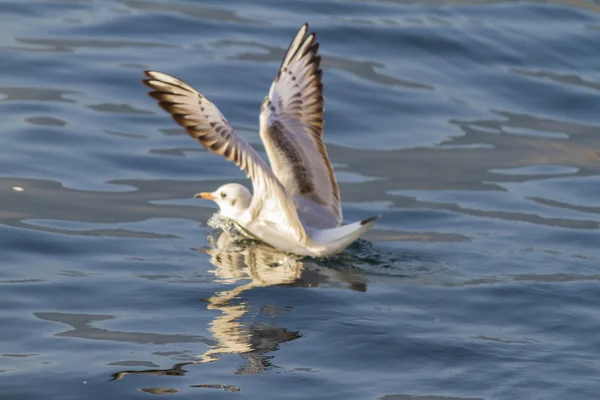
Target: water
x,y
472,126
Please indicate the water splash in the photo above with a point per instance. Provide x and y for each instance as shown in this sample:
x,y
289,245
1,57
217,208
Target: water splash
x,y
236,237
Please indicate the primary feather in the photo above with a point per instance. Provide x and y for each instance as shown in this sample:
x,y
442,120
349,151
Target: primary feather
x,y
203,121
291,128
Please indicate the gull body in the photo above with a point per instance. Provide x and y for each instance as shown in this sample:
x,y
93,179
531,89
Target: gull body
x,y
234,203
295,205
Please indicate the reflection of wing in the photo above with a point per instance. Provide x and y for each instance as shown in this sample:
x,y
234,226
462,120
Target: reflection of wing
x,y
175,370
203,121
291,128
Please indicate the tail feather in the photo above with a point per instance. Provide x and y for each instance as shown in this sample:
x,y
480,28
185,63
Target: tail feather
x,y
370,219
335,240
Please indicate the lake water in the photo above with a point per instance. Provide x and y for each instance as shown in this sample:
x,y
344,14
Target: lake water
x,y
473,127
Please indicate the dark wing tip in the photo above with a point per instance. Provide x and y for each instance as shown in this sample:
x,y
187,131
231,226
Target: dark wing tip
x,y
151,84
370,219
150,74
154,94
315,49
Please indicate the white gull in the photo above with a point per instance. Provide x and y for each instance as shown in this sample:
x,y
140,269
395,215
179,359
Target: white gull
x,y
296,203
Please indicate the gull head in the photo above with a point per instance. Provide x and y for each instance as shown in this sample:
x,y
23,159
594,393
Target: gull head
x,y
232,199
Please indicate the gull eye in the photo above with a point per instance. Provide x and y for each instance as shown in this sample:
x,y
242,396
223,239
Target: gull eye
x,y
223,195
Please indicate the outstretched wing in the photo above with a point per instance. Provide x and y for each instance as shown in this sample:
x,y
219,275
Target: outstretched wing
x,y
203,121
291,128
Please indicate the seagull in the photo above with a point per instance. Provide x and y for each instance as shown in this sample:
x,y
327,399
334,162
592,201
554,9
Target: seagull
x,y
295,206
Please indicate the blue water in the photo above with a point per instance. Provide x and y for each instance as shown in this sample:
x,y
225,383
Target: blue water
x,y
472,126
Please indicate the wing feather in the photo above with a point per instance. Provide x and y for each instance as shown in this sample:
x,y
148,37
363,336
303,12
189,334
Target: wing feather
x,y
203,121
291,128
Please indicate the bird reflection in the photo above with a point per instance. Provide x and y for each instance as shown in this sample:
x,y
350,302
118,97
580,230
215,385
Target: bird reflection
x,y
257,265
236,260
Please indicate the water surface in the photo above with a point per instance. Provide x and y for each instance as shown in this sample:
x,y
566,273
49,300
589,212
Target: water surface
x,y
471,126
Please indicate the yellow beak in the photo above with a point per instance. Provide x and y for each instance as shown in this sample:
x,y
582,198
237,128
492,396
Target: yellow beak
x,y
204,195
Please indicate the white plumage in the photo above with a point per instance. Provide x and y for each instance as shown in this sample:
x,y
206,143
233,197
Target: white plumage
x,y
296,202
